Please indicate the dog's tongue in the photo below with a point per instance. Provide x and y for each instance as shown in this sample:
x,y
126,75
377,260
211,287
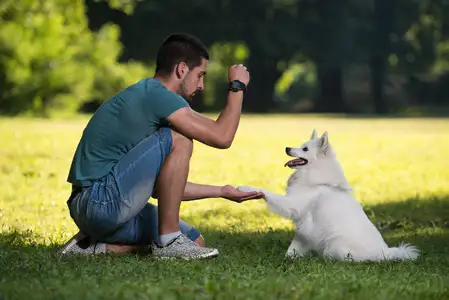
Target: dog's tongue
x,y
293,162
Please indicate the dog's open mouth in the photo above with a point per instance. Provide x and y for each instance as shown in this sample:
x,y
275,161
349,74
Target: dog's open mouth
x,y
296,162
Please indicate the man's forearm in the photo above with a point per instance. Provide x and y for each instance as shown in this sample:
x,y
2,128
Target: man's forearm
x,y
229,118
195,191
221,132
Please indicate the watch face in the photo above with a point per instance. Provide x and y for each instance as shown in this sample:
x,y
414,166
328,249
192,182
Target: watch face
x,y
236,86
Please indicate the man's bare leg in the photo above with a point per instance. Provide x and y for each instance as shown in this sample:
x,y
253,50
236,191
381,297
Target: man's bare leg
x,y
171,183
170,187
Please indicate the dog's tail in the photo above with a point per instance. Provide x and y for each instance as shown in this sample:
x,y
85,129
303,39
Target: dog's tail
x,y
401,252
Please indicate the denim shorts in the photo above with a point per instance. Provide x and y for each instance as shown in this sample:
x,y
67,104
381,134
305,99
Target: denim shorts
x,y
115,208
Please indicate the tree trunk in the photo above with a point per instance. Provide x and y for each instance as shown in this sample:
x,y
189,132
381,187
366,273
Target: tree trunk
x,y
382,27
378,72
330,98
331,55
263,77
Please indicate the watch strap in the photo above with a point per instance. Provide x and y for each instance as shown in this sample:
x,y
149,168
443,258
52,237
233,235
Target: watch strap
x,y
236,85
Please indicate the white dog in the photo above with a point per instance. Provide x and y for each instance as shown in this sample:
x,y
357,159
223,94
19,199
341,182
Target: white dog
x,y
329,221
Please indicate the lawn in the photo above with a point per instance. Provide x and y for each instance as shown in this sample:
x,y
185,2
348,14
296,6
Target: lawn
x,y
398,168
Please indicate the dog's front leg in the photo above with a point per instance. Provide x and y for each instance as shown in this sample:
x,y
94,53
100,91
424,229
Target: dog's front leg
x,y
277,203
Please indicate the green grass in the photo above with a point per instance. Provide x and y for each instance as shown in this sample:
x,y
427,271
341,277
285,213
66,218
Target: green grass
x,y
397,167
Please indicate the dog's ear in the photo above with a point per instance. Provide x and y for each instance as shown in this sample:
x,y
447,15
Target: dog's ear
x,y
323,142
313,136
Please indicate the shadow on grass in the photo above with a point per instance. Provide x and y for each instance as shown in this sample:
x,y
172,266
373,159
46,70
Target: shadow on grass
x,y
411,213
423,222
19,246
248,261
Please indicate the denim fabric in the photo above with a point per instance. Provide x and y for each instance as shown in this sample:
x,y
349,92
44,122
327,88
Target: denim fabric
x,y
115,209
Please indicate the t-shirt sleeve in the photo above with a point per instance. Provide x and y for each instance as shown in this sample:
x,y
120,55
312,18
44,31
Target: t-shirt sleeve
x,y
163,103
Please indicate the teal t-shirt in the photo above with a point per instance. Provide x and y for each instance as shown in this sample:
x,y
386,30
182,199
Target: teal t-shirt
x,y
118,125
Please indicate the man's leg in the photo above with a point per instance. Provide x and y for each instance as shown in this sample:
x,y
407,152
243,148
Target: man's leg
x,y
143,230
133,236
170,186
135,177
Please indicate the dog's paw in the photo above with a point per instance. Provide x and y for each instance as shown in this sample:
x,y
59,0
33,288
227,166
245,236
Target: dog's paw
x,y
247,189
292,256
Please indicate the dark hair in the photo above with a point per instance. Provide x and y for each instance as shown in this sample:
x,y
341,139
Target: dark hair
x,y
180,47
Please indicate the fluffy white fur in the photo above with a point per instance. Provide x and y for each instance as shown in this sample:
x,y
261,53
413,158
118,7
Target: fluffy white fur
x,y
329,221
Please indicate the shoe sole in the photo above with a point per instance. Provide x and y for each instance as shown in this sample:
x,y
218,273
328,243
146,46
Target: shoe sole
x,y
75,239
211,254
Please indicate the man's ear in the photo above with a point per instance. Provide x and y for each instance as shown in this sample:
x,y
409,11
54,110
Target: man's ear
x,y
181,70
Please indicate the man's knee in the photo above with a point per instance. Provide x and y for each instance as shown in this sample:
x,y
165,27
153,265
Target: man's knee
x,y
181,142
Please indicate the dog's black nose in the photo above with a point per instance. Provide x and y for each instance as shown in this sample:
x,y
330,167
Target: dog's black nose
x,y
287,150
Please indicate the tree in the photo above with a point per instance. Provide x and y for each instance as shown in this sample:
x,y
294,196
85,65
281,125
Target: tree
x,y
49,58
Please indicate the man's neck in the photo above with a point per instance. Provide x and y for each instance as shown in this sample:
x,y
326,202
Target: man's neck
x,y
170,84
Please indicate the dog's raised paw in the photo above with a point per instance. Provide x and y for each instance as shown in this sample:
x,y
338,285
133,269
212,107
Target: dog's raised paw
x,y
246,189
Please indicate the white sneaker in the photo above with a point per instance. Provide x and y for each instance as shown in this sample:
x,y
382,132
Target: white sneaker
x,y
81,244
184,248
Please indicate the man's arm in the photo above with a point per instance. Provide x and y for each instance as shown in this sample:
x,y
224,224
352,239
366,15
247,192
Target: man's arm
x,y
195,191
218,134
221,132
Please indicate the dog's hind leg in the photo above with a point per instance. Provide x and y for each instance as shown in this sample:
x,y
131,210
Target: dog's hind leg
x,y
296,249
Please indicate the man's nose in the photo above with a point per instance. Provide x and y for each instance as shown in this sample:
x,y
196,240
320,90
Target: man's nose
x,y
201,85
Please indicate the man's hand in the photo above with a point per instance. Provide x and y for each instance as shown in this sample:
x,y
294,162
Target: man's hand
x,y
238,72
230,193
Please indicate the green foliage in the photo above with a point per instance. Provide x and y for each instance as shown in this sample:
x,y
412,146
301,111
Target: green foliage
x,y
50,59
303,72
441,65
110,76
223,56
127,6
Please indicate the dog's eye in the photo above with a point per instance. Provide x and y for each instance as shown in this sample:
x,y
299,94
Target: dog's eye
x,y
305,149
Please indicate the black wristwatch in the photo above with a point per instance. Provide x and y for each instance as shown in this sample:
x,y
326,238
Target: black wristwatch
x,y
237,85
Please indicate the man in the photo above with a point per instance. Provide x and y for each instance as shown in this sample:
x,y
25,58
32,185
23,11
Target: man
x,y
138,145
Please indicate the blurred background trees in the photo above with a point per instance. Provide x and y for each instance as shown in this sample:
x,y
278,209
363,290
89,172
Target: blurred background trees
x,y
351,56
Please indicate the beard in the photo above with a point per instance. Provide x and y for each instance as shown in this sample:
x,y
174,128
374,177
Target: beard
x,y
183,92
188,97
